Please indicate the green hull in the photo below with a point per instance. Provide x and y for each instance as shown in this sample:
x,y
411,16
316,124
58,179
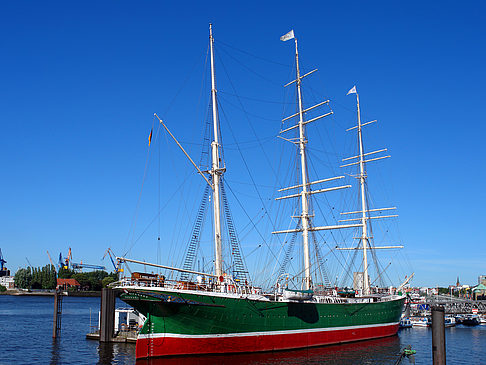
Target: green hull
x,y
189,323
195,314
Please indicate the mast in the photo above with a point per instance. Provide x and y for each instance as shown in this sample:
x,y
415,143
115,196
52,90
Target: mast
x,y
365,217
304,195
362,181
306,191
216,171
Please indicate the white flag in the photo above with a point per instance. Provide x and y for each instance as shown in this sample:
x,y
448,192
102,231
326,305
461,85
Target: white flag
x,y
287,36
352,91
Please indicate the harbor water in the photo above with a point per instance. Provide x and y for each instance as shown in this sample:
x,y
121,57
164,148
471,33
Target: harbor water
x,y
26,327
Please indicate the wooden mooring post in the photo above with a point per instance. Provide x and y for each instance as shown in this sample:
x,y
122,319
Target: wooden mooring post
x,y
438,336
56,323
107,323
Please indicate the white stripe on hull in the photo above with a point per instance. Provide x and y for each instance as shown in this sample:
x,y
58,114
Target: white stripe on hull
x,y
265,333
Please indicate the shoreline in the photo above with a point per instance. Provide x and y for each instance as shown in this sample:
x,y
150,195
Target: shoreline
x,y
44,293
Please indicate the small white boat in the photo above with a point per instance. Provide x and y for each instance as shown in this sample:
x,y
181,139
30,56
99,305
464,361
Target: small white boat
x,y
126,319
421,322
297,294
482,319
449,321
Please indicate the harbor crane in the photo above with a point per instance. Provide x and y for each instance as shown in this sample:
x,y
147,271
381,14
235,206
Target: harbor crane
x,y
68,259
3,268
80,266
67,263
64,263
50,259
112,255
29,262
2,261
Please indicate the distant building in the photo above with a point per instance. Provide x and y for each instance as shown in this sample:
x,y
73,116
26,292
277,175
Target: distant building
x,y
7,281
482,279
65,284
479,292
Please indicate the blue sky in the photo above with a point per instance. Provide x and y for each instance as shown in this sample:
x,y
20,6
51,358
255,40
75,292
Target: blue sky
x,y
80,84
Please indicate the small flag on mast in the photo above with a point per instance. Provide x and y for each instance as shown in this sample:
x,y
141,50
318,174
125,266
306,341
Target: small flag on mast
x,y
352,91
286,37
150,137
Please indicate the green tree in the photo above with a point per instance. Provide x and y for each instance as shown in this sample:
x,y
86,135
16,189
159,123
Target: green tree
x,y
92,280
23,278
444,291
35,283
65,273
36,278
83,280
108,280
2,289
52,278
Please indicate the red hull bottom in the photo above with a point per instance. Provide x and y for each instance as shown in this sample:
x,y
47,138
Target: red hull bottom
x,y
172,345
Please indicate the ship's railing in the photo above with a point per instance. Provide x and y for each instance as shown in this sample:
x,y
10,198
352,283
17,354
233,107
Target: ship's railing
x,y
216,287
329,299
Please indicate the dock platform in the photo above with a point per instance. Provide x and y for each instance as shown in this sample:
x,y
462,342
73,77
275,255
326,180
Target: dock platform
x,y
121,337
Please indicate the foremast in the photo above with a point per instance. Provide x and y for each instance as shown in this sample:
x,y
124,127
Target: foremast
x,y
216,172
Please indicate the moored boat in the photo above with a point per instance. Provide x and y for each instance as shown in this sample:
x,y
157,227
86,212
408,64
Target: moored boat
x,y
470,320
449,321
421,322
405,323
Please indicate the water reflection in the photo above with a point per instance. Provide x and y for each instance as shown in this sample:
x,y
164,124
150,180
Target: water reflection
x,y
105,353
381,351
55,351
115,353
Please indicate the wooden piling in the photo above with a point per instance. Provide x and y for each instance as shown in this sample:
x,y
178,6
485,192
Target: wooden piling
x,y
438,336
56,323
407,310
107,323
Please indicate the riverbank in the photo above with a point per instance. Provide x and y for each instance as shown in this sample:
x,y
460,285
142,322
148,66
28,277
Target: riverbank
x,y
43,293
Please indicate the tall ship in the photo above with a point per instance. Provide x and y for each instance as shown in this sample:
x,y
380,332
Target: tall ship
x,y
222,311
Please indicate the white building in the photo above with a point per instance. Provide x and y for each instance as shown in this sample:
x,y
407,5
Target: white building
x,y
7,281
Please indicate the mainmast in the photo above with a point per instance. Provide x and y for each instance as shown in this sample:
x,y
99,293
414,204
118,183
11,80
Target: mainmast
x,y
362,182
216,171
304,198
305,192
